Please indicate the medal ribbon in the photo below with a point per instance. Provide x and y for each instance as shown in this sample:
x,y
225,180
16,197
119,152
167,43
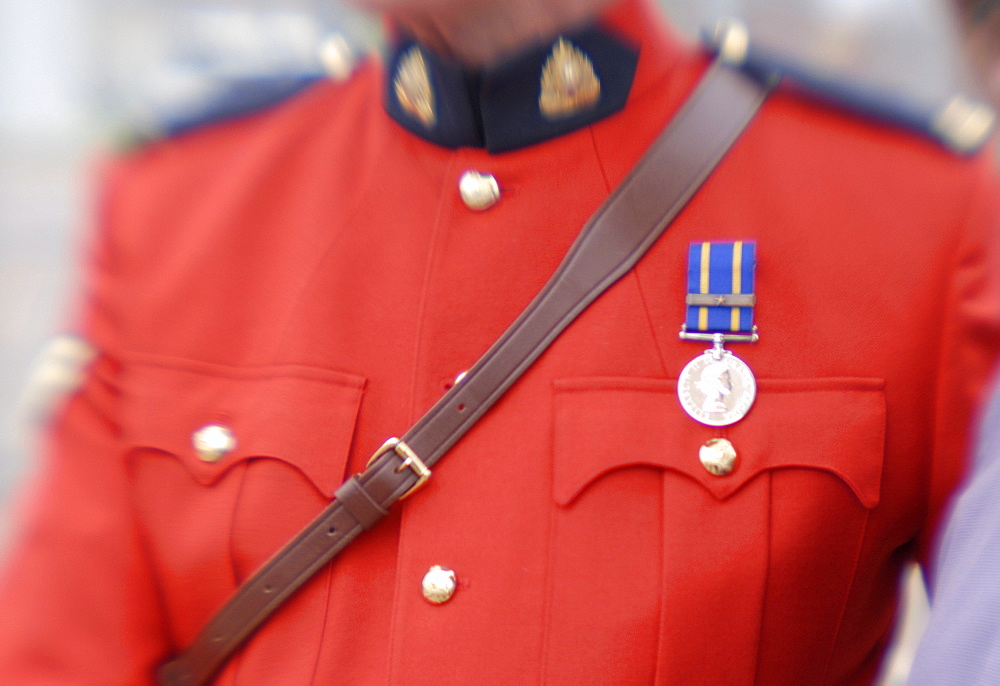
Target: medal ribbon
x,y
721,287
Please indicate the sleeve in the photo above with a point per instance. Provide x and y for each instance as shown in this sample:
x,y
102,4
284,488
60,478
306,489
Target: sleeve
x,y
77,598
970,344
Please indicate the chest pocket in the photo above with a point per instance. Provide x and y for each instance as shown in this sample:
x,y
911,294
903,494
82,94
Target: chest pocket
x,y
694,555
281,437
836,426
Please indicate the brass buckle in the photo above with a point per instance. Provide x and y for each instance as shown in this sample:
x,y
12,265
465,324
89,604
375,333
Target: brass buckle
x,y
410,461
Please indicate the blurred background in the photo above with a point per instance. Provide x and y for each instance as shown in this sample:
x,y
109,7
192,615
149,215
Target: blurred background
x,y
79,78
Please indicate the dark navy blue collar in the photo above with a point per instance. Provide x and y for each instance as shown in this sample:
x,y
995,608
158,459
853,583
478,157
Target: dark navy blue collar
x,y
498,108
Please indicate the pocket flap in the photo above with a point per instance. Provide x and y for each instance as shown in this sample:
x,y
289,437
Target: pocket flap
x,y
836,425
303,416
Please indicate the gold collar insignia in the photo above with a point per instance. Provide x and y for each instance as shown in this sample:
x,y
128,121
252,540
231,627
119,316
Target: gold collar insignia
x,y
569,83
412,85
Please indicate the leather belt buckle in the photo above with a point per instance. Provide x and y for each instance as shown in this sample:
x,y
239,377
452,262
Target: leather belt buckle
x,y
410,460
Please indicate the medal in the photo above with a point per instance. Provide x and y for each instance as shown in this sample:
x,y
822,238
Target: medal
x,y
717,388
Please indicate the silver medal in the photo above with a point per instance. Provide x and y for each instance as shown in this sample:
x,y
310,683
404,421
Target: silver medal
x,y
716,388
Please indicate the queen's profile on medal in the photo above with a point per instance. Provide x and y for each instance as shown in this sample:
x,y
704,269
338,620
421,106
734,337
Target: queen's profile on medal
x,y
716,388
716,383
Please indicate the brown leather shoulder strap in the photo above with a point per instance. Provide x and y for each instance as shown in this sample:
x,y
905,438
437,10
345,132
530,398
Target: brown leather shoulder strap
x,y
610,244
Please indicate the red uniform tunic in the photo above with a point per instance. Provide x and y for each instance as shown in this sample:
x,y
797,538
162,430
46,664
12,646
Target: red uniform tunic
x,y
310,278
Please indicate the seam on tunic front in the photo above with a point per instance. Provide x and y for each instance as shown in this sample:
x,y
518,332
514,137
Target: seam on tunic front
x,y
346,223
597,155
231,544
237,659
432,250
168,635
549,581
767,573
847,597
659,670
649,322
444,194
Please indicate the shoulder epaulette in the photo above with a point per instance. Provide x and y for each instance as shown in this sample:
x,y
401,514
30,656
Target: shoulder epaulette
x,y
236,97
961,124
229,96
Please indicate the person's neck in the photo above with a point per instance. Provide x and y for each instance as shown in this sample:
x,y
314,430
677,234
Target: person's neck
x,y
480,34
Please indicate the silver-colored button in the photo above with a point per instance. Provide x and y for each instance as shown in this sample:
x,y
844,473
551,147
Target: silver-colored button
x,y
337,58
479,191
438,585
718,456
461,377
213,442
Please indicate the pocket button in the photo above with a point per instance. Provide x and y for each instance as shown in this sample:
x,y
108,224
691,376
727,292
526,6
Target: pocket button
x,y
213,442
718,456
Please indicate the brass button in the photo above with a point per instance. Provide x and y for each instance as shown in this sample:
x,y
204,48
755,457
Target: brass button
x,y
213,442
718,456
438,585
479,191
337,58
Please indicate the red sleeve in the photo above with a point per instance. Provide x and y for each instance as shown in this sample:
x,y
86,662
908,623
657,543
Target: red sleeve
x,y
970,344
77,598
